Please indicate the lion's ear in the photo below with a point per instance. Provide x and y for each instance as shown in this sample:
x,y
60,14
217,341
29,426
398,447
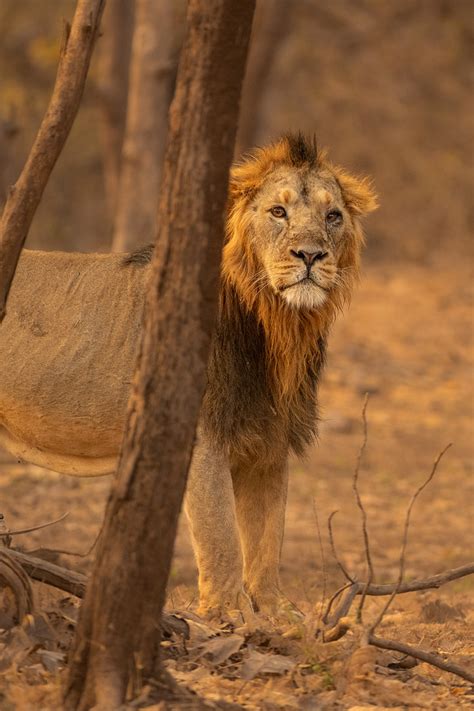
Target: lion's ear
x,y
358,193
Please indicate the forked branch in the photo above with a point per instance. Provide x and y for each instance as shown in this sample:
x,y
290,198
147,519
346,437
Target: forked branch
x,y
338,623
357,588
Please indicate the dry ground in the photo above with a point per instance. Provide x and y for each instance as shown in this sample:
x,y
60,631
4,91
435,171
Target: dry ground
x,y
407,340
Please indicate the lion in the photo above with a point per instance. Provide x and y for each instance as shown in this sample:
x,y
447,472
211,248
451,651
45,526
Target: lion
x,y
69,341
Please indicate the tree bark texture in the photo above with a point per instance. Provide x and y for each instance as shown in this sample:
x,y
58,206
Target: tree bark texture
x,y
152,77
114,50
25,195
118,634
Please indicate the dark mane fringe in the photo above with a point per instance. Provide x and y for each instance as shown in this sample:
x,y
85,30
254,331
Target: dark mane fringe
x,y
140,256
303,150
242,412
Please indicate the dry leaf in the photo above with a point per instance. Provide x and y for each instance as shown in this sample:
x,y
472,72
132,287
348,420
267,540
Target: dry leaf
x,y
220,648
257,663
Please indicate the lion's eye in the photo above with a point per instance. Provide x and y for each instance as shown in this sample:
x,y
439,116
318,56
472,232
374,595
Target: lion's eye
x,y
334,217
278,211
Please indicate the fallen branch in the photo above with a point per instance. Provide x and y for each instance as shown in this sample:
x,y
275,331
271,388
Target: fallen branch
x,y
24,197
428,657
357,588
51,574
74,583
14,577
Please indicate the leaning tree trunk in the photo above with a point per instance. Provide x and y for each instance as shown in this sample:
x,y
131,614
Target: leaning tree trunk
x,y
24,197
114,59
151,83
118,632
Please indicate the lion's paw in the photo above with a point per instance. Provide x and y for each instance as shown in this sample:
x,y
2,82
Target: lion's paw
x,y
234,611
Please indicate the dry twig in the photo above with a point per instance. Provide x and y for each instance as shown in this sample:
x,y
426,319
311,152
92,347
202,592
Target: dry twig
x,y
338,624
405,538
24,197
434,659
342,567
355,488
18,532
43,552
323,563
430,583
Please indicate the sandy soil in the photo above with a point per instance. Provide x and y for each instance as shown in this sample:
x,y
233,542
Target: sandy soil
x,y
407,341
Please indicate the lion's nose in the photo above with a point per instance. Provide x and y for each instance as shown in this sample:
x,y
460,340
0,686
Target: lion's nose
x,y
309,258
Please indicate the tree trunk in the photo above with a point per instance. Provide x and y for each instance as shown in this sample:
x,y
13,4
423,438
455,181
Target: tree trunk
x,y
118,633
114,59
152,76
25,195
269,30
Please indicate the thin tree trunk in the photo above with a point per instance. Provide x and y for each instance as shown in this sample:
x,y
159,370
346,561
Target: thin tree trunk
x,y
269,30
151,83
118,633
114,58
25,195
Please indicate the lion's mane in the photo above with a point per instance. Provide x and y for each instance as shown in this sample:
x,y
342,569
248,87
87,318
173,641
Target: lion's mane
x,y
267,356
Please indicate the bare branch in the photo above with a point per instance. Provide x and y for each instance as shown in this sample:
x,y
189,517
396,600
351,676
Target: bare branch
x,y
331,602
51,574
13,575
405,537
346,602
60,551
323,563
334,550
25,195
338,631
434,659
433,582
68,580
355,487
20,531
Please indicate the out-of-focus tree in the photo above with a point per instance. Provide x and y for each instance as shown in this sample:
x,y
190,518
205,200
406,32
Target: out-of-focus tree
x,y
114,58
269,30
8,132
155,47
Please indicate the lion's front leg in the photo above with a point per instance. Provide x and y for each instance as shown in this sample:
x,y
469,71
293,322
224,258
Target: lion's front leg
x,y
260,495
210,508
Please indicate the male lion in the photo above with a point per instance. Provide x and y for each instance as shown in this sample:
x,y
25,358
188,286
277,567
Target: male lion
x,y
69,340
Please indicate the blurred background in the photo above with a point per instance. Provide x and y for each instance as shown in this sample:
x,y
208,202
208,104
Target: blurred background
x,y
386,86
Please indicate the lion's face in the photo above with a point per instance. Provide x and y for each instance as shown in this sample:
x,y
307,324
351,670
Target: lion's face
x,y
294,232
298,227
